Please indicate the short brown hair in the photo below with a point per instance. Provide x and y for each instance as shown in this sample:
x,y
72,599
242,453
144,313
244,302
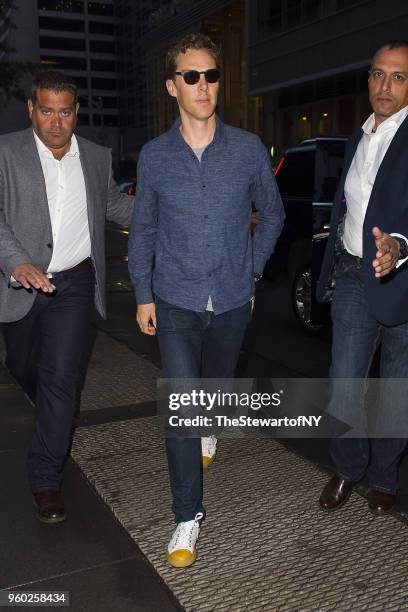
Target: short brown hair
x,y
191,41
54,81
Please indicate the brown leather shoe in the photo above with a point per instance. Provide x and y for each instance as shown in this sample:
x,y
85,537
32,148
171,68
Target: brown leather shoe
x,y
50,506
380,503
335,493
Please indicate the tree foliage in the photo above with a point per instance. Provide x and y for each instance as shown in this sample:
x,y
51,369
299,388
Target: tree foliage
x,y
11,72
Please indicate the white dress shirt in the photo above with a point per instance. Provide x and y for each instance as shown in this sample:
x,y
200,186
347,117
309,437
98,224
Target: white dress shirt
x,y
66,195
361,176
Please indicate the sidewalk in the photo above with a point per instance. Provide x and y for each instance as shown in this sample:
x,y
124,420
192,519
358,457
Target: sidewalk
x,y
265,544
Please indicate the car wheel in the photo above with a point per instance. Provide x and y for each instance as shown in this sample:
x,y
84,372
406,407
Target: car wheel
x,y
302,300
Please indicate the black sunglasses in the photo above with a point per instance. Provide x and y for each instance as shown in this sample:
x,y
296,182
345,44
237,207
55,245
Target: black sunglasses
x,y
191,77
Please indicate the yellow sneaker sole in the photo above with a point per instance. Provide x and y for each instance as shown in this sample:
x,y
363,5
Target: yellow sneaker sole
x,y
182,558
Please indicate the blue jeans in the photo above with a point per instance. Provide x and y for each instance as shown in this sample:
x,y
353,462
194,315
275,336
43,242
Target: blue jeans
x,y
195,345
356,335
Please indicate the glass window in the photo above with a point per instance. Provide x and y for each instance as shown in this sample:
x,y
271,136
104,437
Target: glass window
x,y
111,120
97,8
275,16
68,44
293,13
66,6
67,63
329,164
346,3
54,23
347,111
81,82
102,46
296,175
311,9
102,64
99,83
100,27
109,102
83,119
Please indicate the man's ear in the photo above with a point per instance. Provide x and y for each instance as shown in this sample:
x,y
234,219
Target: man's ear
x,y
171,88
30,107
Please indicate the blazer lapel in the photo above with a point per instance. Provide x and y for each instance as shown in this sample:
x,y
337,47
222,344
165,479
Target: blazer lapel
x,y
385,169
350,152
32,165
86,163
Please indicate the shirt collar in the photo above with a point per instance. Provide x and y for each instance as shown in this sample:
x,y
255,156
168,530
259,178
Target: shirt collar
x,y
178,140
392,122
43,150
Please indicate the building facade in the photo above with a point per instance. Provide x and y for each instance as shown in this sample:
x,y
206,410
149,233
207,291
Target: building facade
x,y
309,61
76,37
146,29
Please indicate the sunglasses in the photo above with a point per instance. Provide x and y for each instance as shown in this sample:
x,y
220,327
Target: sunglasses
x,y
191,77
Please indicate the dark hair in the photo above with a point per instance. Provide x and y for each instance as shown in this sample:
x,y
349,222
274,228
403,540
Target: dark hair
x,y
196,41
54,81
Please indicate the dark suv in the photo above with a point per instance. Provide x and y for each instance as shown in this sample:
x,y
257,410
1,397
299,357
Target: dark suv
x,y
307,178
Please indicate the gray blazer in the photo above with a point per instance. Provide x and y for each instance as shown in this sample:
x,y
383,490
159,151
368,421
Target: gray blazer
x,y
25,225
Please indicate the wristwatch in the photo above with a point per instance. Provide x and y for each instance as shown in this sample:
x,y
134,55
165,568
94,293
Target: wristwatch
x,y
403,253
257,277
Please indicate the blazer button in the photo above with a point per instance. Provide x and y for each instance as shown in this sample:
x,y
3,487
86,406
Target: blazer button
x,y
49,245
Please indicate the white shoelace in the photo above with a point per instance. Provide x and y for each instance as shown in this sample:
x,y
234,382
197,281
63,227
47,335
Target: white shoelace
x,y
208,446
186,534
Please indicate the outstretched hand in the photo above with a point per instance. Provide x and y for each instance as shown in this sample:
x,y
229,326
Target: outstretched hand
x,y
387,253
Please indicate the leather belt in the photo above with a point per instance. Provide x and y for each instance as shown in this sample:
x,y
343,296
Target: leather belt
x,y
357,261
86,263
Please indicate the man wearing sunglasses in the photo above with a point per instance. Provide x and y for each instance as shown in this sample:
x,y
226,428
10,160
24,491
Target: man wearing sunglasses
x,y
195,187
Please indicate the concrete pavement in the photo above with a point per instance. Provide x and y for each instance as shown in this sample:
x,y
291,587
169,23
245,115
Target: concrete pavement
x,y
265,544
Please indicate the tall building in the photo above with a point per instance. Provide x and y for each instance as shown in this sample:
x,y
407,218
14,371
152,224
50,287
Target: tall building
x,y
132,22
76,37
308,60
25,45
145,30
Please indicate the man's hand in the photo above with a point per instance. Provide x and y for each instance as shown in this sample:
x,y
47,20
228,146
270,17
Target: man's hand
x,y
146,318
30,276
387,253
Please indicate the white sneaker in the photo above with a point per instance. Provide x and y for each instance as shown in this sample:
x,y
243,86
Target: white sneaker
x,y
208,450
181,551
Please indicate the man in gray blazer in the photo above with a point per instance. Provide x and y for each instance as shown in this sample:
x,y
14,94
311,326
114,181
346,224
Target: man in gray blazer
x,y
56,190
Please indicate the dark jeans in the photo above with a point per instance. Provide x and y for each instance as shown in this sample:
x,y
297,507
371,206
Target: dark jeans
x,y
195,345
44,353
356,334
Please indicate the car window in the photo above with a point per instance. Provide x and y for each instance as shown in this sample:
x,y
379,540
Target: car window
x,y
329,164
295,177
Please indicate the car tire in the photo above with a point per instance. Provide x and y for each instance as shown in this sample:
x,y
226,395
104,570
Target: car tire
x,y
301,293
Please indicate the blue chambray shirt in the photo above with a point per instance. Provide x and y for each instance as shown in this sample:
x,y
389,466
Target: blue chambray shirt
x,y
190,234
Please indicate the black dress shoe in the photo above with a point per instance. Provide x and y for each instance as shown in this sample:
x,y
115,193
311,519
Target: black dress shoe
x,y
335,493
380,503
50,506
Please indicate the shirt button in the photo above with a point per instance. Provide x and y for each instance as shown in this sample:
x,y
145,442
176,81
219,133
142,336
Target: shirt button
x,y
209,274
203,186
205,216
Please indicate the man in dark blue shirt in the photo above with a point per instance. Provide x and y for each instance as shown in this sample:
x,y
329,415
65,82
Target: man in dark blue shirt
x,y
195,188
